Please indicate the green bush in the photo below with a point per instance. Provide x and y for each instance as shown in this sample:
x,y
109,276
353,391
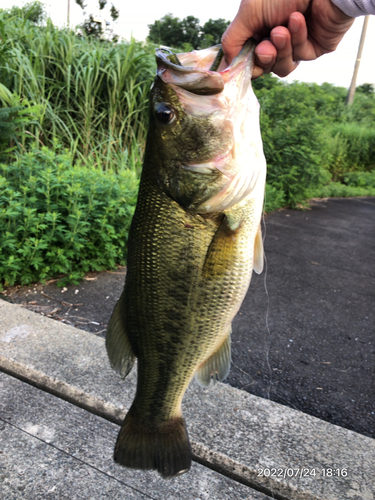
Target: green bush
x,y
292,139
59,218
339,190
273,198
351,147
16,117
360,179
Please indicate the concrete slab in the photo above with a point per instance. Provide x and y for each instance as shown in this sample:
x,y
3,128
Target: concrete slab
x,y
285,453
53,449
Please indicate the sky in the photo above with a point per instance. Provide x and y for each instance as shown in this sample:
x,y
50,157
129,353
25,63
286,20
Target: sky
x,y
336,68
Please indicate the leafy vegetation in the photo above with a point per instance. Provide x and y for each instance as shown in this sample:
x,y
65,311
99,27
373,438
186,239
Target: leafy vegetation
x,y
73,121
186,34
96,26
60,218
311,139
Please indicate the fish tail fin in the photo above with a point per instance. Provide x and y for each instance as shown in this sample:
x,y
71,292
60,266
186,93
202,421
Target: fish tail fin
x,y
165,448
119,350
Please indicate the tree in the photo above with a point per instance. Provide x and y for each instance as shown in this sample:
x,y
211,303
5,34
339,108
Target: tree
x,y
215,28
166,31
32,11
186,33
96,26
366,89
191,30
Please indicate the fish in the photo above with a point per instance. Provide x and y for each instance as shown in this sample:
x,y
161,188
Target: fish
x,y
194,240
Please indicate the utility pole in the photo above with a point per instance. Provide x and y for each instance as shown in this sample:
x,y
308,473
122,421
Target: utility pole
x,y
350,98
68,12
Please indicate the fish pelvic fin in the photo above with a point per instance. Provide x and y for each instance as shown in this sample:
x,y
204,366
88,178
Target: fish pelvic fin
x,y
258,260
216,367
165,448
119,350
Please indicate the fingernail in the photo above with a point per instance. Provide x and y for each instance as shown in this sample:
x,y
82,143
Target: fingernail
x,y
279,41
265,59
294,25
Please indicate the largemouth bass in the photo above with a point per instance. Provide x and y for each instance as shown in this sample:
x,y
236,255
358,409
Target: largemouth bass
x,y
194,240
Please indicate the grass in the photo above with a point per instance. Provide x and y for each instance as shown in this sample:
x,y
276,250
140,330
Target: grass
x,y
92,95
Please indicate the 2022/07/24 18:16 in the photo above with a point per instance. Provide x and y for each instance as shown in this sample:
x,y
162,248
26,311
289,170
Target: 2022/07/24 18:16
x,y
302,472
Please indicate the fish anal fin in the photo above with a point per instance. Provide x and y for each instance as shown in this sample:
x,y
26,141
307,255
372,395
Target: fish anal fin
x,y
119,350
258,260
216,367
165,448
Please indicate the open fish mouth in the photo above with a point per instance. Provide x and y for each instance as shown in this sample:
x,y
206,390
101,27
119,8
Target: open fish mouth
x,y
204,72
207,87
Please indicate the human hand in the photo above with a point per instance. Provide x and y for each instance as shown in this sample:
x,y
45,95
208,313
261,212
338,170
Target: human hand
x,y
298,30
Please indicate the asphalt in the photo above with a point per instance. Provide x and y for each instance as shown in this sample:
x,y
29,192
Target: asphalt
x,y
305,335
310,342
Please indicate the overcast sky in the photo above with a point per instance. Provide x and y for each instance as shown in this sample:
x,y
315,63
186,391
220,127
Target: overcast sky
x,y
134,17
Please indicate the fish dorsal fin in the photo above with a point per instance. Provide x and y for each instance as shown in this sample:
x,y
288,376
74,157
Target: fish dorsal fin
x,y
258,259
216,367
119,350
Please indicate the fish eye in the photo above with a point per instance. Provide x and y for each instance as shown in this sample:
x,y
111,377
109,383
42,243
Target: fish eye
x,y
165,114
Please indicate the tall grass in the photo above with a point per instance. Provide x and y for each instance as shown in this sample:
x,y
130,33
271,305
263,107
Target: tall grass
x,y
351,148
92,93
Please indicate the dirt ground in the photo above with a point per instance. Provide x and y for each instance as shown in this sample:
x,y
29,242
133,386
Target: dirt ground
x,y
305,335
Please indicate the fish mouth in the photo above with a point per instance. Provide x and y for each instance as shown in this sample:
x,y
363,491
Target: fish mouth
x,y
197,71
224,97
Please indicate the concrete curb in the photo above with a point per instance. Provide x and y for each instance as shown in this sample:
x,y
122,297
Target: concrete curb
x,y
281,452
51,449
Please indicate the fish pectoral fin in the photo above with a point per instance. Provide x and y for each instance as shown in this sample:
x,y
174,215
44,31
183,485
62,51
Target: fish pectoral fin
x,y
216,367
119,350
258,260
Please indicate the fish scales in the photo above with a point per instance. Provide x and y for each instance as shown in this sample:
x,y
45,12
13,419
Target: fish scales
x,y
190,258
188,304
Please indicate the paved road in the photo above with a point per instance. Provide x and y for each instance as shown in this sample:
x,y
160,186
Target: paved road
x,y
318,354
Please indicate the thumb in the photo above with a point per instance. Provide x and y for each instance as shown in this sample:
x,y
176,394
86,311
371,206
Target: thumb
x,y
247,23
235,37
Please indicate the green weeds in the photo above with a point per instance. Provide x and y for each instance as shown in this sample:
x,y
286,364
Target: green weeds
x,y
57,217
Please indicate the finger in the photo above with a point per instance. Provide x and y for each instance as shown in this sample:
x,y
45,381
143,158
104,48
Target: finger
x,y
234,39
303,49
284,64
247,23
257,72
265,56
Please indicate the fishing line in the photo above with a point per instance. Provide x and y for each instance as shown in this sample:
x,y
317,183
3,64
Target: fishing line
x,y
267,344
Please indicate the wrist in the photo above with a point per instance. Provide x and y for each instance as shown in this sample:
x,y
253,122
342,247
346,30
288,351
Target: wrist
x,y
346,9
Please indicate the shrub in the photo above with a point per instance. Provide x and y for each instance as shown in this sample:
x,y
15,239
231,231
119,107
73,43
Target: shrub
x,y
360,179
59,218
293,140
351,147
